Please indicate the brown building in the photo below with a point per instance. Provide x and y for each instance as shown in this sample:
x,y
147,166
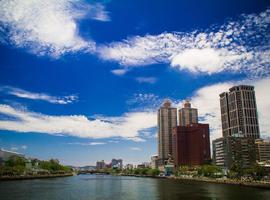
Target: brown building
x,y
191,145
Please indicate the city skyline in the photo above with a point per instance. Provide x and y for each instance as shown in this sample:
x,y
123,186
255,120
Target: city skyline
x,y
82,81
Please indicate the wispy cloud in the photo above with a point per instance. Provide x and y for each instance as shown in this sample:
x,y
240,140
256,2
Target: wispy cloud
x,y
87,143
48,27
127,126
24,146
241,45
150,80
14,148
38,96
135,149
119,72
98,12
144,101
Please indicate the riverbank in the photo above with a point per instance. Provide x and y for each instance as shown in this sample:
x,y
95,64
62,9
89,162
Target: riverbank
x,y
10,178
256,184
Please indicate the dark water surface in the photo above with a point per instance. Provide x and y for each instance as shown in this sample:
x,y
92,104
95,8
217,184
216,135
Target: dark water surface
x,y
98,187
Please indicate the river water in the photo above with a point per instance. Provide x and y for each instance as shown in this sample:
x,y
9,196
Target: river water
x,y
99,187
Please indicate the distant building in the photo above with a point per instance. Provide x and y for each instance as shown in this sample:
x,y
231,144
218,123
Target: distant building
x,y
129,166
191,145
239,112
167,120
262,150
100,165
117,163
187,115
154,162
141,166
234,150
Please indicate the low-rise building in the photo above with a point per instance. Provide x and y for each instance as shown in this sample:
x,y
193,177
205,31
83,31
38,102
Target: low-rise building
x,y
262,150
234,150
154,162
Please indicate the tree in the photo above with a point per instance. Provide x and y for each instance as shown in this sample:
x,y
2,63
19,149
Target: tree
x,y
210,171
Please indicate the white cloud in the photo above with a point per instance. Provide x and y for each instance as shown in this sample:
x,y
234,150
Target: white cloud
x,y
24,147
206,100
127,126
48,27
150,80
38,96
87,143
135,149
119,72
241,45
205,60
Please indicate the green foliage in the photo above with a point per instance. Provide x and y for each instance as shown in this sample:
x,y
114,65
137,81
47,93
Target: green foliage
x,y
53,166
236,171
15,161
210,171
153,172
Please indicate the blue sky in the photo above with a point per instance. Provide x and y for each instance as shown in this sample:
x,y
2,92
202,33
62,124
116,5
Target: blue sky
x,y
82,80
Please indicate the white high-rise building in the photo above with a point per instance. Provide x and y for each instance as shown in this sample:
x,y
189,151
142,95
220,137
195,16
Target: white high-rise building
x,y
167,120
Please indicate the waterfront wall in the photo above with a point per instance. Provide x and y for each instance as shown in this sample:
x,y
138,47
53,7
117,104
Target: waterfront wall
x,y
7,178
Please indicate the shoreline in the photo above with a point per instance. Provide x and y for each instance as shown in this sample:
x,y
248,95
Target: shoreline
x,y
254,184
11,178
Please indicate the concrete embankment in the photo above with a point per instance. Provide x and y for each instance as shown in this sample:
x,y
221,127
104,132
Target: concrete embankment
x,y
10,178
257,184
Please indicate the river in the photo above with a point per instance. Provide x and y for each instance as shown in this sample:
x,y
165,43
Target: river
x,y
99,187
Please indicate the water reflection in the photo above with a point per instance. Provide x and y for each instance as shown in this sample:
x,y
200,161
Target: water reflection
x,y
96,187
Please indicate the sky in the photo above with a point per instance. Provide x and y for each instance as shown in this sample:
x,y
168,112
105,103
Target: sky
x,y
82,80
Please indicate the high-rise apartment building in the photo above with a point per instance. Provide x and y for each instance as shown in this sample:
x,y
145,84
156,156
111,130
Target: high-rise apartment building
x,y
239,112
100,165
187,115
191,144
167,120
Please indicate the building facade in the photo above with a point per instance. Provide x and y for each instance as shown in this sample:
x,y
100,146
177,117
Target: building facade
x,y
262,150
191,144
234,150
187,115
100,165
239,112
154,162
117,163
167,120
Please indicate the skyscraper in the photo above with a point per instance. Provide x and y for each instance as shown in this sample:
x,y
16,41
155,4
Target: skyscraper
x,y
187,115
239,112
167,120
